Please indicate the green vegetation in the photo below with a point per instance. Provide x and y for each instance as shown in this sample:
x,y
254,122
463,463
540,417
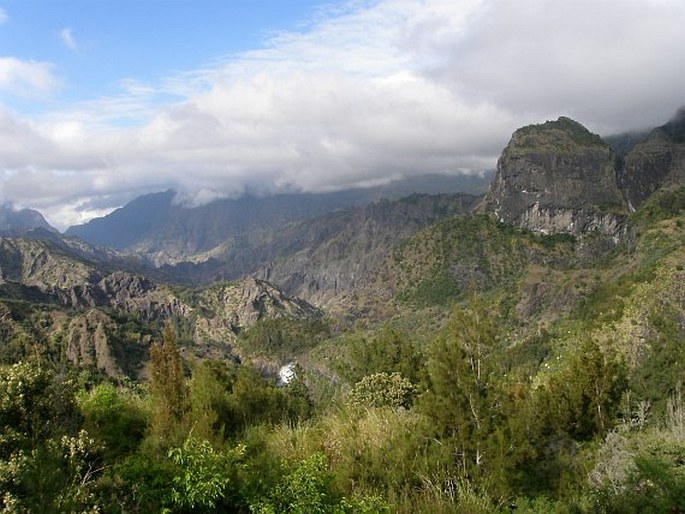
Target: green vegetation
x,y
283,337
579,134
514,372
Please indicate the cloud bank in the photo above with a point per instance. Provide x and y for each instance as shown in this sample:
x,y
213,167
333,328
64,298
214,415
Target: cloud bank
x,y
367,91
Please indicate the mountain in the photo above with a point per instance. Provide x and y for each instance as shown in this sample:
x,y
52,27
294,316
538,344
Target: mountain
x,y
165,232
546,357
656,162
106,319
23,220
556,177
321,258
332,255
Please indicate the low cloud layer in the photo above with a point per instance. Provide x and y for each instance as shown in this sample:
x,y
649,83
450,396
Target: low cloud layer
x,y
367,92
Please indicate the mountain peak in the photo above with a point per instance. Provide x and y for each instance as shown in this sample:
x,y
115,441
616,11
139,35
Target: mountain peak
x,y
21,220
675,128
556,177
656,162
562,131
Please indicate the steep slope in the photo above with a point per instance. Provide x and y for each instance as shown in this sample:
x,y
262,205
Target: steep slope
x,y
334,259
557,177
81,311
21,220
656,162
126,226
319,258
548,291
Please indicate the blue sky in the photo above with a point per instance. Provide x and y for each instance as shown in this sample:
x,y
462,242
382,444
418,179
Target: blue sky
x,y
103,100
94,45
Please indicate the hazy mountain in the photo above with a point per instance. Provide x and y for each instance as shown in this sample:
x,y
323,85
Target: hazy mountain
x,y
656,162
21,220
154,226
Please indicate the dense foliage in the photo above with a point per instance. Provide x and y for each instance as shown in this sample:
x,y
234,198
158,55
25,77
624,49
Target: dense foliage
x,y
473,398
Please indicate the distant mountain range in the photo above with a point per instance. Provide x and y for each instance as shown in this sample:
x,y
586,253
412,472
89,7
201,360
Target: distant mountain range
x,y
156,227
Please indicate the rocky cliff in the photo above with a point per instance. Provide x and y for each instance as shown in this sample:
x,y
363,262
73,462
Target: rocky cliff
x,y
557,177
60,297
331,256
656,162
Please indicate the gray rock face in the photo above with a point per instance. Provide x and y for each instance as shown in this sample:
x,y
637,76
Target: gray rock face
x,y
84,297
657,162
557,178
333,255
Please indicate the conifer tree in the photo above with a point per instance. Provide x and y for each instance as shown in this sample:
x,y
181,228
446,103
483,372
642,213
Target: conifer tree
x,y
167,386
459,374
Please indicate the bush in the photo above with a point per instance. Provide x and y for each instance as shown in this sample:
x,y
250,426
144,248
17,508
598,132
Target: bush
x,y
383,390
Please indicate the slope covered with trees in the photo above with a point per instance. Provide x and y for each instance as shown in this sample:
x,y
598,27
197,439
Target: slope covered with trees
x,y
481,368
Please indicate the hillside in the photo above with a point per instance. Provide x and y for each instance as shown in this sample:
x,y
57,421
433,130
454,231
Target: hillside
x,y
106,319
21,220
658,161
321,258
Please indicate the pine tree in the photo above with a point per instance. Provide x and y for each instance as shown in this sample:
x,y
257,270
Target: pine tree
x,y
167,386
459,374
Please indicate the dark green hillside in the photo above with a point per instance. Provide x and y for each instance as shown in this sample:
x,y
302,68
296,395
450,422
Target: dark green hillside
x,y
454,257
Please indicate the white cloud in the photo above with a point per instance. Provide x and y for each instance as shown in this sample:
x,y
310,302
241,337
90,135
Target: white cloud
x,y
610,63
3,16
366,91
27,79
68,39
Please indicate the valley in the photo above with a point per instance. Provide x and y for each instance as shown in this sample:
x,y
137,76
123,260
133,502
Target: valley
x,y
521,349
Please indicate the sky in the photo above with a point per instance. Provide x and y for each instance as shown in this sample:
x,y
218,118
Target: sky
x,y
104,100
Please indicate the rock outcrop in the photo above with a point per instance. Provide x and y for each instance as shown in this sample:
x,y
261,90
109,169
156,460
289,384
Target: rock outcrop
x,y
332,255
557,177
86,304
656,162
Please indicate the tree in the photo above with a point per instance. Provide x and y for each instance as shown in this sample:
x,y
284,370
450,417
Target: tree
x,y
167,386
113,417
581,400
203,473
383,390
387,351
209,393
458,396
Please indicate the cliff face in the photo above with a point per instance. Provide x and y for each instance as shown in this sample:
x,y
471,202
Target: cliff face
x,y
557,178
80,302
333,255
655,163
